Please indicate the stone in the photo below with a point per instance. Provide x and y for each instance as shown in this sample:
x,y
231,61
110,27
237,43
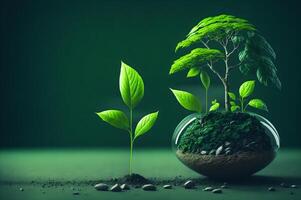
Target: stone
x,y
203,152
219,150
21,189
101,187
189,184
167,186
125,187
116,188
217,191
149,187
208,189
271,189
294,186
227,144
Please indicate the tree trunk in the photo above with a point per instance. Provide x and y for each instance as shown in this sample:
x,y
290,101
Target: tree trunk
x,y
227,102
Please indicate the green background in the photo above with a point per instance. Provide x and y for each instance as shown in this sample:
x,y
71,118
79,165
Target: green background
x,y
60,63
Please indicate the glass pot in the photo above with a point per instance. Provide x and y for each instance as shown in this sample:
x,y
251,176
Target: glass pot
x,y
234,165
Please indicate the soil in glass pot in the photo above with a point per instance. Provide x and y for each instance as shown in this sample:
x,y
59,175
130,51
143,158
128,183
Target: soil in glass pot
x,y
227,145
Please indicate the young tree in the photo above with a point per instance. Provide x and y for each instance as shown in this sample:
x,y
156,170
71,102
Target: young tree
x,y
224,38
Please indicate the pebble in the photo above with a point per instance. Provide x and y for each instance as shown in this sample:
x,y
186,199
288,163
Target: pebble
x,y
125,187
271,189
227,144
224,186
75,193
294,186
203,152
149,187
21,189
219,150
116,188
101,187
189,184
217,191
167,186
208,189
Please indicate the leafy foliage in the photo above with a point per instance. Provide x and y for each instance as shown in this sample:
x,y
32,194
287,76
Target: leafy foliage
x,y
145,124
193,72
232,96
215,28
259,57
223,37
258,103
195,58
187,100
131,87
212,130
246,89
205,79
215,105
115,118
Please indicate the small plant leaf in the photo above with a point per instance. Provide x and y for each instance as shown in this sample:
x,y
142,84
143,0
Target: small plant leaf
x,y
258,103
205,78
214,107
214,101
232,103
232,95
234,108
115,118
187,100
145,124
246,89
193,72
131,86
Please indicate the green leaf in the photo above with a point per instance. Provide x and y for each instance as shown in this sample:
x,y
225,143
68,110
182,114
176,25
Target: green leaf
x,y
116,118
205,79
193,72
187,100
258,57
131,86
258,103
246,89
145,124
214,107
195,58
232,95
234,108
215,28
214,101
232,103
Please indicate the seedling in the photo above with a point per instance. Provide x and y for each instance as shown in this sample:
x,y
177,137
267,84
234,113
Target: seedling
x,y
245,90
131,87
225,39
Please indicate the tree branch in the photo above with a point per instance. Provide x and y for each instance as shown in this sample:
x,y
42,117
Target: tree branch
x,y
214,71
234,66
205,44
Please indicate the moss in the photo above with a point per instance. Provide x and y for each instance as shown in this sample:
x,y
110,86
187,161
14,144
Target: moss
x,y
234,130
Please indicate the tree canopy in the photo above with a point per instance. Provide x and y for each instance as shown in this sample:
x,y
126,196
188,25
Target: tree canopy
x,y
255,54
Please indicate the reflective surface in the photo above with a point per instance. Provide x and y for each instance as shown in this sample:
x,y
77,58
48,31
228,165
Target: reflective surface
x,y
236,164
